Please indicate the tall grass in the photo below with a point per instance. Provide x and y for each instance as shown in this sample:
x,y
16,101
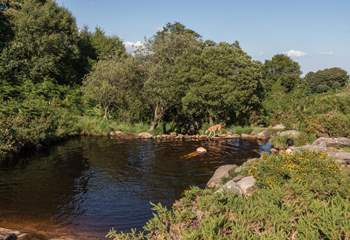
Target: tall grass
x,y
102,127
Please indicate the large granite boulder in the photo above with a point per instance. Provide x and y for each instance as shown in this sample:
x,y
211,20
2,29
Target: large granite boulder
x,y
220,173
342,157
245,186
332,142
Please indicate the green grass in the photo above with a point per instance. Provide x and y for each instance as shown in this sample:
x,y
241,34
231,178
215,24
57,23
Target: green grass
x,y
280,142
240,129
346,149
300,196
101,127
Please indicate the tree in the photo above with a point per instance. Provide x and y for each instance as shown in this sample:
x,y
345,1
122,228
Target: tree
x,y
105,46
225,85
116,85
44,46
283,69
5,27
327,79
162,86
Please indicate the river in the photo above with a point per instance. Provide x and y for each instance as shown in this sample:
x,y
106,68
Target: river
x,y
86,186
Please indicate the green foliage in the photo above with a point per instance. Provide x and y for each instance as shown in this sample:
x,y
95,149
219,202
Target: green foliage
x,y
327,79
44,46
300,196
218,92
162,84
32,122
333,124
281,142
321,114
282,69
96,126
115,86
240,129
107,47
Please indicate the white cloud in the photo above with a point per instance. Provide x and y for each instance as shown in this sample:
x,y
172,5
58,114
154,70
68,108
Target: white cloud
x,y
295,53
327,53
133,46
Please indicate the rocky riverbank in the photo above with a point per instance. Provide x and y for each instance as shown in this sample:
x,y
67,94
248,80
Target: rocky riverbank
x,y
261,134
9,234
229,178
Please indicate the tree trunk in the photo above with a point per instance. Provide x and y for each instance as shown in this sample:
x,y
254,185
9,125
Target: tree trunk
x,y
211,121
158,114
105,116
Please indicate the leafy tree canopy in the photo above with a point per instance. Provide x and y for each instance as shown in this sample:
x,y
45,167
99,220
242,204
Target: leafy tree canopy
x,y
226,84
283,69
44,46
327,79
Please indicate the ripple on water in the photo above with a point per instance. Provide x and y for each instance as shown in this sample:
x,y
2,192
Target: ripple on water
x,y
89,185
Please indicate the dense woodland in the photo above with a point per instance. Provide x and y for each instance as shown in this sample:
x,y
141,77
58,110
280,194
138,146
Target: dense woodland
x,y
58,80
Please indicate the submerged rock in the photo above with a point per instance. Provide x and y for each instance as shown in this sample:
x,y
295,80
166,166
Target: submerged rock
x,y
201,150
220,173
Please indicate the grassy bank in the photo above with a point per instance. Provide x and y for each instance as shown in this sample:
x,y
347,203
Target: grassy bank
x,y
300,196
28,126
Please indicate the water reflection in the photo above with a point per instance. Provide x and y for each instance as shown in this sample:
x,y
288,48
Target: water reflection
x,y
92,184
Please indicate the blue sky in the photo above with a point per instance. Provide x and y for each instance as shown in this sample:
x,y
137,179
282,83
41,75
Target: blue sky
x,y
315,32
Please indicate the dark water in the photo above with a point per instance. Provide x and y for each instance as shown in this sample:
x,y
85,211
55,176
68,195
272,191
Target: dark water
x,y
89,185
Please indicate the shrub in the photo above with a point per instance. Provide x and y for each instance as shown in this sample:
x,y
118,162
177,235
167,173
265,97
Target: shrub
x,y
332,124
241,129
327,79
299,196
281,142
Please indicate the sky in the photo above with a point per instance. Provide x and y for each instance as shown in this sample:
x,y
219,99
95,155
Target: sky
x,y
316,33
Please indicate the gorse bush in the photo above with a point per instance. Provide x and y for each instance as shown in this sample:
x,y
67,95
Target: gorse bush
x,y
282,142
331,124
34,121
325,114
299,196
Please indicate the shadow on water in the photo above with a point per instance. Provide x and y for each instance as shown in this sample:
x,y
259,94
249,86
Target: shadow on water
x,y
89,185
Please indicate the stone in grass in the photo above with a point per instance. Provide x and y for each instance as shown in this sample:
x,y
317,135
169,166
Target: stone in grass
x,y
332,142
290,134
278,127
245,186
219,174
